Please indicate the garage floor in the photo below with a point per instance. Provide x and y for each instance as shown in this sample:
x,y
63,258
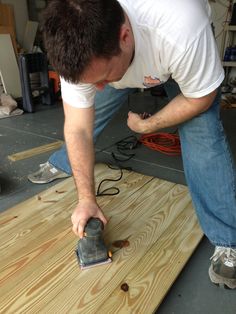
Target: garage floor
x,y
192,292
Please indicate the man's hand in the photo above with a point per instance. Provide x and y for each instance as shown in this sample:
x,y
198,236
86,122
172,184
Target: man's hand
x,y
138,122
82,213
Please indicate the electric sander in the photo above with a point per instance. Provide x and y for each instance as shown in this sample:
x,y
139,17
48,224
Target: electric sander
x,y
91,249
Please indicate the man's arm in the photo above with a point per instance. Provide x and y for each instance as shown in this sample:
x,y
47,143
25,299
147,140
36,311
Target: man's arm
x,y
78,130
178,110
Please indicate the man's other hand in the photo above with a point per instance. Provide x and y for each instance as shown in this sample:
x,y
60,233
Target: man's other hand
x,y
138,122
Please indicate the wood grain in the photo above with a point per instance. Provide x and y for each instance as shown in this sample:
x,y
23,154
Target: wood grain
x,y
35,151
39,271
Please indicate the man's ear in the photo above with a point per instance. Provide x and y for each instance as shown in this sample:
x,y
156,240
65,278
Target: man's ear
x,y
125,36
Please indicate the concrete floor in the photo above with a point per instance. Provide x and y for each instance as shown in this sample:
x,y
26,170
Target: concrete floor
x,y
192,292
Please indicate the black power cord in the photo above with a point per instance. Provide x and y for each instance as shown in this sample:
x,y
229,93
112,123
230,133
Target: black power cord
x,y
105,192
128,143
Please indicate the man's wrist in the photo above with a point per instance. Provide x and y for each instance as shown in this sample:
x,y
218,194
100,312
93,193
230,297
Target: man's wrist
x,y
87,198
147,126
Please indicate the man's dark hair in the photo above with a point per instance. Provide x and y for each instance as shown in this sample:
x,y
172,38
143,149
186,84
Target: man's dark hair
x,y
75,31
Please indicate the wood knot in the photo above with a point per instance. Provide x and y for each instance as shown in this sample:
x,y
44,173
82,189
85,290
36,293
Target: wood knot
x,y
121,243
124,287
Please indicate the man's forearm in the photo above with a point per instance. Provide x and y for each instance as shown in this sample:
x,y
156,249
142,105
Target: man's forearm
x,y
81,155
177,111
78,130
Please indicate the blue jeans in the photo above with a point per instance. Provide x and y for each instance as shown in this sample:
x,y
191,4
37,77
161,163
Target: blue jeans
x,y
208,164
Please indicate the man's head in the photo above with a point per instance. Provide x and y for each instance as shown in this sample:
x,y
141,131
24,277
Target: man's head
x,y
77,32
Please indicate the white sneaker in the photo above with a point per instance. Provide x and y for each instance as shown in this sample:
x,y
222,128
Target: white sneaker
x,y
223,267
47,173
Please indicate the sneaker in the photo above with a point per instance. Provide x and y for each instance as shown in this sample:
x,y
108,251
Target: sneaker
x,y
223,267
47,173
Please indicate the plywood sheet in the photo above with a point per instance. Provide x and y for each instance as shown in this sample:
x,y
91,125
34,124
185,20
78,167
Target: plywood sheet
x,y
9,67
39,272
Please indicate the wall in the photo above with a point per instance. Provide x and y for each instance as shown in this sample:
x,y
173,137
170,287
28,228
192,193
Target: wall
x,y
219,17
21,16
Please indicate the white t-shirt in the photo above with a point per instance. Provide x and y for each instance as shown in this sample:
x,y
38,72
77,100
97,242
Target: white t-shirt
x,y
172,38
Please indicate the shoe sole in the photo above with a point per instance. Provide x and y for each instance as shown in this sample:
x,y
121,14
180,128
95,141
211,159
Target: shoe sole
x,y
37,181
221,281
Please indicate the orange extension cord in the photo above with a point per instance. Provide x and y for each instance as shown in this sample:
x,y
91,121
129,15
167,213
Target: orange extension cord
x,y
166,143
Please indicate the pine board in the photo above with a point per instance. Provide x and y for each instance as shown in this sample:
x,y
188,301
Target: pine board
x,y
39,272
30,34
35,151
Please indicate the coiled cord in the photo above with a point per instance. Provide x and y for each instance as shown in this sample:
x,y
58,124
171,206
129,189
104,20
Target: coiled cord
x,y
166,143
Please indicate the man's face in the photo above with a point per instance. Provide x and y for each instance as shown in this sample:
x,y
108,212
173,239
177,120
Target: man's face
x,y
103,71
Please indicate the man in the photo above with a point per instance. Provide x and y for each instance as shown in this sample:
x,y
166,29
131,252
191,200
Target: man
x,y
116,46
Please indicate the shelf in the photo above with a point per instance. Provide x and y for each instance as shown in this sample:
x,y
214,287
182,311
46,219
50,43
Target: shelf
x,y
229,63
231,28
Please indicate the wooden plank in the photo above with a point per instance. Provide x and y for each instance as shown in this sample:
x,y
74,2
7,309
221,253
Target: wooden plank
x,y
7,23
149,226
8,67
35,151
21,219
29,35
20,237
39,270
2,82
7,16
151,278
